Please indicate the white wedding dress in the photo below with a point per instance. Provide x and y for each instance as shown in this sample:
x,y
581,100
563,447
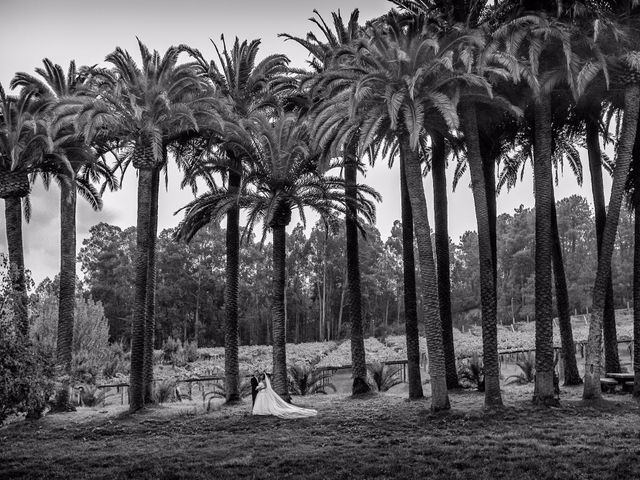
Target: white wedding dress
x,y
269,402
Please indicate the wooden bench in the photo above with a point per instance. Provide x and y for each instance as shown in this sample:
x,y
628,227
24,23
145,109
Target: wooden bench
x,y
608,385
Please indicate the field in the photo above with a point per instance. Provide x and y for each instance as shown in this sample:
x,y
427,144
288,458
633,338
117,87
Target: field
x,y
337,354
380,436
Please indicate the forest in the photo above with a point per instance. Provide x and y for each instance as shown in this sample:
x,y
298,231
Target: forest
x,y
190,294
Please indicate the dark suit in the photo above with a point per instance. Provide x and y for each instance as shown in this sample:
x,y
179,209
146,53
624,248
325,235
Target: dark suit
x,y
254,389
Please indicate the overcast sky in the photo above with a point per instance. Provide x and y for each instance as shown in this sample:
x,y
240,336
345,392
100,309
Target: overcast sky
x,y
87,30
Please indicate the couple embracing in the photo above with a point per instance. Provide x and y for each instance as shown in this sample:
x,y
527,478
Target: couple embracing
x,y
267,402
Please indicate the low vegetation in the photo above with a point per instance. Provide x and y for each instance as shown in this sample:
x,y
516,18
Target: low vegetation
x,y
382,436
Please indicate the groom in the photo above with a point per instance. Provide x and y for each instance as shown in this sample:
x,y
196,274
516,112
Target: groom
x,y
254,387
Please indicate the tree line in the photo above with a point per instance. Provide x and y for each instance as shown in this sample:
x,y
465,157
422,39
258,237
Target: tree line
x,y
190,293
492,85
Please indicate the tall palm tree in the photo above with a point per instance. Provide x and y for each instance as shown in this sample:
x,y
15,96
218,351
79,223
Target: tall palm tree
x,y
283,176
462,19
627,78
633,204
544,47
50,87
323,62
564,147
399,87
24,139
592,117
248,87
147,108
441,221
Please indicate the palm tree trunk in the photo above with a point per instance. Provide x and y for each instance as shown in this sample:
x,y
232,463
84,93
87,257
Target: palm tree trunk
x,y
136,380
410,302
571,374
277,311
543,192
231,366
358,360
150,301
431,304
491,361
13,219
592,388
440,211
612,360
488,153
636,303
67,292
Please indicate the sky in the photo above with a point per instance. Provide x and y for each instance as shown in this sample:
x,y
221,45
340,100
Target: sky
x,y
87,30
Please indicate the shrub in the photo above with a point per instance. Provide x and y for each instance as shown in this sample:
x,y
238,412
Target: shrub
x,y
117,362
178,354
91,395
165,391
527,370
170,349
158,357
304,380
86,367
26,377
219,391
471,373
90,326
190,352
383,376
91,350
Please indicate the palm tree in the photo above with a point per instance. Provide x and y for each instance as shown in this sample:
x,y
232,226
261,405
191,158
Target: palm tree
x,y
52,86
564,147
440,211
401,76
147,109
482,149
626,78
633,204
592,117
547,59
247,87
323,62
283,176
24,138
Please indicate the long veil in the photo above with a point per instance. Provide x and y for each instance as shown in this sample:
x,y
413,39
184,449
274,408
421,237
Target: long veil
x,y
280,408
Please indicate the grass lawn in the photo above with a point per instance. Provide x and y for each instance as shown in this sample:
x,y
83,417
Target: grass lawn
x,y
382,436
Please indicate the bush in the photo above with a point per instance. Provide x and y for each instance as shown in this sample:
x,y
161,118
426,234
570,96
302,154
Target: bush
x,y
91,395
26,377
170,349
304,380
118,361
527,367
86,367
92,354
176,353
90,326
190,352
165,391
471,373
383,376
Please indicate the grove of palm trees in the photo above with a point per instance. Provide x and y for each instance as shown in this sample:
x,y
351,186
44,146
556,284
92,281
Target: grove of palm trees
x,y
509,352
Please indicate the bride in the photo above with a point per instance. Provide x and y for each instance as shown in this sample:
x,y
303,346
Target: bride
x,y
269,402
